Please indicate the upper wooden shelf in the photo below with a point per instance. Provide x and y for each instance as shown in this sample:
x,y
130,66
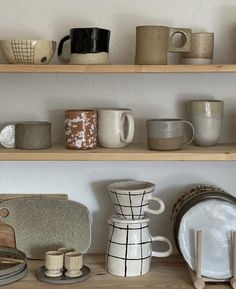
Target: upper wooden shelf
x,y
137,152
165,273
19,68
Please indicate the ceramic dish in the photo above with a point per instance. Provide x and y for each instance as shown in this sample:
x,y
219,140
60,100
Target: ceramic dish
x,y
63,280
28,51
15,277
214,213
6,269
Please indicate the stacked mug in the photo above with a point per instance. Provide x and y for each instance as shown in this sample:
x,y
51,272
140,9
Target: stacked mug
x,y
129,250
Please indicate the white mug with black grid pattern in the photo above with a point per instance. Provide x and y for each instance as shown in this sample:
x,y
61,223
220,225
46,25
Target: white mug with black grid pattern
x,y
131,199
129,249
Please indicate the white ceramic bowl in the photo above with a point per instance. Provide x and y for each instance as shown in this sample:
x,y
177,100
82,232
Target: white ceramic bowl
x,y
28,51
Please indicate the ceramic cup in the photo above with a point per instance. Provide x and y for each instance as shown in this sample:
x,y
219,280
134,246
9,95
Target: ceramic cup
x,y
28,51
81,129
196,61
73,264
129,250
115,127
207,118
167,134
131,199
88,46
54,263
33,135
7,136
202,47
154,42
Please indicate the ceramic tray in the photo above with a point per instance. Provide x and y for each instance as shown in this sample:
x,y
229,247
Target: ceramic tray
x,y
63,280
43,224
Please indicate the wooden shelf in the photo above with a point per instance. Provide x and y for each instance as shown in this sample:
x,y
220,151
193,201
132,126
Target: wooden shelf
x,y
166,273
56,68
222,152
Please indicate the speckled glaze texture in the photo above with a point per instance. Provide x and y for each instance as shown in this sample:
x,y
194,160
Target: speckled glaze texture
x,y
81,129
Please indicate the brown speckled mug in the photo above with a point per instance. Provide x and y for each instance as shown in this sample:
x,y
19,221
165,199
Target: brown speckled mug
x,y
81,129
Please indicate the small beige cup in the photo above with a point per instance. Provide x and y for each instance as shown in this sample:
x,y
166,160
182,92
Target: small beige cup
x,y
54,263
73,264
202,46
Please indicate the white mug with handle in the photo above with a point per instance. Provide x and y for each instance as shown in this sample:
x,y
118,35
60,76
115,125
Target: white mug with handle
x,y
129,250
115,127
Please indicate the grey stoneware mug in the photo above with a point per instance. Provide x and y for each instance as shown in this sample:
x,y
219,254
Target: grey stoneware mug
x,y
167,134
207,118
154,42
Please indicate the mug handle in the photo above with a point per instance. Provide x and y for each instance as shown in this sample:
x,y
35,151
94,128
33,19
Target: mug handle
x,y
186,36
60,49
162,254
130,133
193,132
158,211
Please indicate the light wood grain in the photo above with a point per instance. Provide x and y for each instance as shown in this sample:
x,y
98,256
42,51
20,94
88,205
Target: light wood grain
x,y
223,152
7,234
123,68
166,273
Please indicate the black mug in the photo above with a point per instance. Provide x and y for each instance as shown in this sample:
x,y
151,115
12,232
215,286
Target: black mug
x,y
88,46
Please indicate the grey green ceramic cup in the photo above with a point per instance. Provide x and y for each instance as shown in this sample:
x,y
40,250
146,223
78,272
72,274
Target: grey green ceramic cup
x,y
207,118
167,134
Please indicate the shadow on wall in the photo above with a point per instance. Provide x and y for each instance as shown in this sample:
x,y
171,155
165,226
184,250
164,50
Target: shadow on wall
x,y
225,39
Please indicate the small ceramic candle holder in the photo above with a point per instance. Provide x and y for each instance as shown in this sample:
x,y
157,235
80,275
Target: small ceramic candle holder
x,y
73,264
54,264
65,250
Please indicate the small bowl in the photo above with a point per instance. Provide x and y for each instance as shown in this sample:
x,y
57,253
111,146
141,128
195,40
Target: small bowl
x,y
28,51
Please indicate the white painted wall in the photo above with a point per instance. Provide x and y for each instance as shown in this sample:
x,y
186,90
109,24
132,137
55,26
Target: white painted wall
x,y
45,97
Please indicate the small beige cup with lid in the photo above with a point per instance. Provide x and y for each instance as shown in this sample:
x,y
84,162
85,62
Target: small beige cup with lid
x,y
54,263
73,264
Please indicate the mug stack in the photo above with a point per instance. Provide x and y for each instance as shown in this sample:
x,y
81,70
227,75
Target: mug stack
x,y
129,249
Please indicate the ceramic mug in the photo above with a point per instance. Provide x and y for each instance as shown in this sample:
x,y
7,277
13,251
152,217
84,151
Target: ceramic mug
x,y
207,118
88,46
131,199
28,51
154,42
167,134
129,250
115,127
81,129
202,47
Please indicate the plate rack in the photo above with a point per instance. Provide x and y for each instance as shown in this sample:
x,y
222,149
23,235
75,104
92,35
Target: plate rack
x,y
198,280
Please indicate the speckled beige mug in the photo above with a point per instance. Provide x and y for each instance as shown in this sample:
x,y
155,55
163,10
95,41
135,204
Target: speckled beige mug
x,y
81,129
154,42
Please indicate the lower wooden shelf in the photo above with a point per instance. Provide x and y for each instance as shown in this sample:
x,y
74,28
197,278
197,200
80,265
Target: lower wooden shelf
x,y
221,152
169,273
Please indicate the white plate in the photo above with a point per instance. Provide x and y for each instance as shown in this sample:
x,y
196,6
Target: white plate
x,y
217,220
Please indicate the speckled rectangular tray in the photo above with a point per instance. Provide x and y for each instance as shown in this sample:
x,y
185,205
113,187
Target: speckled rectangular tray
x,y
42,224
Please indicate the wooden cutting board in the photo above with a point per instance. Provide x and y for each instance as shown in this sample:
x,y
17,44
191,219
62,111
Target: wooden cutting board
x,y
7,233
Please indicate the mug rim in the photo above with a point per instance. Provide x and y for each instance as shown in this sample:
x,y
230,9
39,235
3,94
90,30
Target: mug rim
x,y
114,109
152,26
118,186
90,28
116,219
204,32
206,100
164,119
34,40
80,110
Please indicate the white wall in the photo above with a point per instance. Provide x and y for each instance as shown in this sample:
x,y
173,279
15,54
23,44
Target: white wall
x,y
45,97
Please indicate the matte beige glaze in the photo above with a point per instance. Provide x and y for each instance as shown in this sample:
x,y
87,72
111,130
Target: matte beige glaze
x,y
202,46
54,264
73,264
165,144
153,43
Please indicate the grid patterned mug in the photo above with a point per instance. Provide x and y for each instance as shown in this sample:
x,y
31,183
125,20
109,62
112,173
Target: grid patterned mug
x,y
131,199
129,249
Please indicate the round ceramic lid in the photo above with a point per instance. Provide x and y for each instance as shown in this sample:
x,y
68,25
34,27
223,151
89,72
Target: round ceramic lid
x,y
217,220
